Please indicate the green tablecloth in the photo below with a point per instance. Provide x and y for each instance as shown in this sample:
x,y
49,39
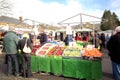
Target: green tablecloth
x,y
56,65
34,63
77,68
44,64
74,68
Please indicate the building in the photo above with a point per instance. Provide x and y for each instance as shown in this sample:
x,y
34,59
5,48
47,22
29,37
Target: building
x,y
19,26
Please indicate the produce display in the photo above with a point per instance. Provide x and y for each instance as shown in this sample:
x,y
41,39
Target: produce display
x,y
34,48
36,45
73,51
44,49
92,52
56,50
50,49
82,43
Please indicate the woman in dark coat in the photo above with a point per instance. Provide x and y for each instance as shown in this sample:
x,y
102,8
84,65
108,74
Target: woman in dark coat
x,y
26,57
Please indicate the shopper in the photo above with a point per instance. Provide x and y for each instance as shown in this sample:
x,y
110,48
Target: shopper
x,y
31,37
102,38
43,38
113,46
66,40
78,37
26,57
10,43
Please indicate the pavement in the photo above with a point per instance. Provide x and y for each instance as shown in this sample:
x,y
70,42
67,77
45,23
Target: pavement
x,y
106,70
106,66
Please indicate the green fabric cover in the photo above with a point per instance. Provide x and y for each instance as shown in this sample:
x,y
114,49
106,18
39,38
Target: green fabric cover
x,y
77,68
44,64
56,65
34,63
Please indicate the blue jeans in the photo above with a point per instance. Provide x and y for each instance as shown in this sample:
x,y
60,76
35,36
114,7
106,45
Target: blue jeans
x,y
12,60
116,70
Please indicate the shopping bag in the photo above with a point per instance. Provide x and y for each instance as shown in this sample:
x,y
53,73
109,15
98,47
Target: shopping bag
x,y
26,48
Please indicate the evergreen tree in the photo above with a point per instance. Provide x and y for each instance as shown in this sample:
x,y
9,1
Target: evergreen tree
x,y
118,22
112,20
105,23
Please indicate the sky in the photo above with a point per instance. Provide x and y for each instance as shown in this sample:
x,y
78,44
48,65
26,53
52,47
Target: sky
x,y
54,11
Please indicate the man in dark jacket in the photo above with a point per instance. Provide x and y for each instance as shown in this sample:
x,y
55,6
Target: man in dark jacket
x,y
10,43
43,38
113,47
66,40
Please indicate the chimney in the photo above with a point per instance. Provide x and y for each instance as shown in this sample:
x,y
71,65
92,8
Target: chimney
x,y
20,18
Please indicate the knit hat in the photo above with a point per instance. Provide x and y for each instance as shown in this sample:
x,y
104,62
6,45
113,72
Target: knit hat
x,y
25,35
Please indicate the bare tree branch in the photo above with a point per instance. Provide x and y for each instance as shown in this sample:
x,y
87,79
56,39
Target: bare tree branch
x,y
5,7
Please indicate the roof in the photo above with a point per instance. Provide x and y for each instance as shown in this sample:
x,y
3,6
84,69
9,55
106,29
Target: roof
x,y
7,19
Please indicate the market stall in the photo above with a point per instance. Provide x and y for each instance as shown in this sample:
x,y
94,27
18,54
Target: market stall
x,y
77,60
68,61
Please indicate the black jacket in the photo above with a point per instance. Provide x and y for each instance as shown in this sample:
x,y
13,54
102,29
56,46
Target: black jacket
x,y
43,38
22,43
113,46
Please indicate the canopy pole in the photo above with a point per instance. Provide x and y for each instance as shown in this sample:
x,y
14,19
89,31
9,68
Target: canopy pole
x,y
81,25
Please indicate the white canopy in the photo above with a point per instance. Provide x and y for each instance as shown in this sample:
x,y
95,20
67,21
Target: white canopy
x,y
68,30
84,29
81,30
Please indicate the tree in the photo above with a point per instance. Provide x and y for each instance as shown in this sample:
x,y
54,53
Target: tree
x,y
5,7
112,20
118,23
105,25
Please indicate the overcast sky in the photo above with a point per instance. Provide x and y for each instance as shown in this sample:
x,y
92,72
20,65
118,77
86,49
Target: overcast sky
x,y
54,11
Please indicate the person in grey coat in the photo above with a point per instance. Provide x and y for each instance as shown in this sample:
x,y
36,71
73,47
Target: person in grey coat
x,y
10,43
